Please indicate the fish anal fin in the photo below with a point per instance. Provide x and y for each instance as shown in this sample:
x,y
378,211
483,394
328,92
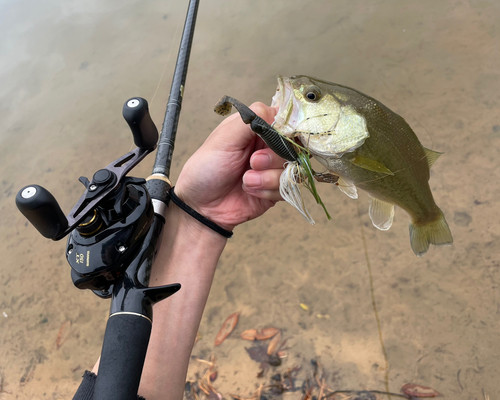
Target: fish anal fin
x,y
436,232
432,156
381,213
347,188
370,165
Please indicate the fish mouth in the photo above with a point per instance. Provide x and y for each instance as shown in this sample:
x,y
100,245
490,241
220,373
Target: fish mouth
x,y
283,101
281,96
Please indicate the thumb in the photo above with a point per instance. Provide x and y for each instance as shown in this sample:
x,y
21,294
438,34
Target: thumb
x,y
233,132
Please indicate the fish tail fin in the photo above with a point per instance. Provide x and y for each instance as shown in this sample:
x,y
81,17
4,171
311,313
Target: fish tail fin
x,y
436,232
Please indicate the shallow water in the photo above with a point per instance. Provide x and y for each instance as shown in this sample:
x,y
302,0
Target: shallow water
x,y
66,67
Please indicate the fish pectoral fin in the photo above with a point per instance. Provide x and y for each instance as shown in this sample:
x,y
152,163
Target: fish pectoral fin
x,y
347,188
432,156
381,213
370,165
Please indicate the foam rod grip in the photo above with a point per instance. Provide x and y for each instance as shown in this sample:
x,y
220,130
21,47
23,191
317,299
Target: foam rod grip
x,y
122,358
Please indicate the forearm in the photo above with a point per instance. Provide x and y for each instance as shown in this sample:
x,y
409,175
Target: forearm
x,y
188,254
216,182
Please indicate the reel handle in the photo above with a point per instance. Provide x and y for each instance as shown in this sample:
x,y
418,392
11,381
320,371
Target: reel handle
x,y
136,113
42,210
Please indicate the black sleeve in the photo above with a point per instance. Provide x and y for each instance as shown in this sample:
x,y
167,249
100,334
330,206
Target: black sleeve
x,y
86,389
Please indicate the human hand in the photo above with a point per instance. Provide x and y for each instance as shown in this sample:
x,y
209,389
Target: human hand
x,y
233,177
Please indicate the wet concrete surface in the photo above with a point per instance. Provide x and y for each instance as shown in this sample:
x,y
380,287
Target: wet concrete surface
x,y
66,67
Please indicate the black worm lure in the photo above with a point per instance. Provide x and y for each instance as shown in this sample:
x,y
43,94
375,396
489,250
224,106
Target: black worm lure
x,y
266,132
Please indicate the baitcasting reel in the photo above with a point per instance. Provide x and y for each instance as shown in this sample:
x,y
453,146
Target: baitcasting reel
x,y
108,224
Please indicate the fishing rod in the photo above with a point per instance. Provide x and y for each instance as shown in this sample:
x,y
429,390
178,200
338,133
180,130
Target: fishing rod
x,y
113,231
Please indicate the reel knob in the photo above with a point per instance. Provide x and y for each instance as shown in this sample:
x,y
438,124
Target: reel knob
x,y
42,210
136,113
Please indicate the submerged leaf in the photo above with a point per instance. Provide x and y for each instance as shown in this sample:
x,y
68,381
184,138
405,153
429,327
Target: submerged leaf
x,y
261,334
227,327
411,389
273,344
266,333
249,334
63,333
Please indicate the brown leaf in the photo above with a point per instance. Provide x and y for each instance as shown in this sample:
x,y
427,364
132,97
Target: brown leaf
x,y
411,389
227,327
63,333
274,343
249,334
261,334
266,333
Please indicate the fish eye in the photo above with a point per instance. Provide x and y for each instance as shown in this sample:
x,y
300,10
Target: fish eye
x,y
312,93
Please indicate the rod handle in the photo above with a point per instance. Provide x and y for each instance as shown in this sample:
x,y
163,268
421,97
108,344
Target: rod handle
x,y
123,352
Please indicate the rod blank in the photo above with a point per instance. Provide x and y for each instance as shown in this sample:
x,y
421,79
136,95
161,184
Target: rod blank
x,y
165,150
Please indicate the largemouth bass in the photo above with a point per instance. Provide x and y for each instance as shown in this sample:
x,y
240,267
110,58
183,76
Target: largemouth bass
x,y
367,146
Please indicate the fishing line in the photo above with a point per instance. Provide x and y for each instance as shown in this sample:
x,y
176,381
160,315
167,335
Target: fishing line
x,y
164,69
168,59
385,84
374,305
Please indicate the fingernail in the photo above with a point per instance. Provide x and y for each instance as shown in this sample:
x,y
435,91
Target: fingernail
x,y
263,160
252,179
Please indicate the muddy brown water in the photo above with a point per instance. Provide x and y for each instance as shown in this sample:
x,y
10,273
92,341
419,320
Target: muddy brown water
x,y
66,68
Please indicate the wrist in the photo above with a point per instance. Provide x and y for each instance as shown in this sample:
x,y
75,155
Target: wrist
x,y
191,228
174,199
187,242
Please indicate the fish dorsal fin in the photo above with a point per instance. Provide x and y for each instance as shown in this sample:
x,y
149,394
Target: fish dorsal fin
x,y
347,188
432,156
381,213
370,165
